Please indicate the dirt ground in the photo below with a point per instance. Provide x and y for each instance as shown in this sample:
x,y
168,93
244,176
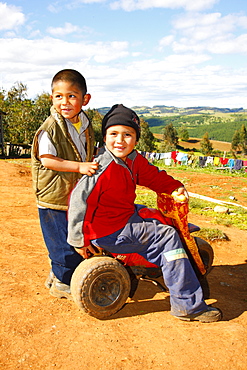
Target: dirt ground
x,y
39,331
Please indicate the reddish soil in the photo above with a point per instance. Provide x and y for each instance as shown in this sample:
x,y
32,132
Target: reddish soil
x,y
39,331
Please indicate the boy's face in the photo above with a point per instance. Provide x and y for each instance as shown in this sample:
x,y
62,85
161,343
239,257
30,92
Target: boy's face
x,y
68,99
120,140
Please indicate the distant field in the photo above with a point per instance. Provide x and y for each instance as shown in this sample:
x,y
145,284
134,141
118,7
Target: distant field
x,y
219,125
195,143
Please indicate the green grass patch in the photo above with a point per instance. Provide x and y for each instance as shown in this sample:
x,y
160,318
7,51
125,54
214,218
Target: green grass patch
x,y
211,234
195,168
237,216
146,197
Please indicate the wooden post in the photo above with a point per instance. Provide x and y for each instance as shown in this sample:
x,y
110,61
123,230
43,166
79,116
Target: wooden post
x,y
1,133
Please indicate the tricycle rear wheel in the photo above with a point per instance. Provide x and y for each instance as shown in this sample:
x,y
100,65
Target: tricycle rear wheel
x,y
207,255
206,252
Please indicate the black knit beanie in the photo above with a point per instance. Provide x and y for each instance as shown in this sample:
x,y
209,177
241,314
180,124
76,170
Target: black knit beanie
x,y
120,115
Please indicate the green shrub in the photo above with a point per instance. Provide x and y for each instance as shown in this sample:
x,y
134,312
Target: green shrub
x,y
211,234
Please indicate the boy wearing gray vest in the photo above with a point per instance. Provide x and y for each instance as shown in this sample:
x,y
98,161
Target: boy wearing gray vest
x,y
62,152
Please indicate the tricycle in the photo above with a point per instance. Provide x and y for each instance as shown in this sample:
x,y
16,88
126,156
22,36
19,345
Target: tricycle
x,y
101,284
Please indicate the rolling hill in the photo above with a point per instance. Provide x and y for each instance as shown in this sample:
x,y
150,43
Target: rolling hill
x,y
220,123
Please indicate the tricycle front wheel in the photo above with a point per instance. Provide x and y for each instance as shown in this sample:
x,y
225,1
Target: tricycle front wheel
x,y
100,286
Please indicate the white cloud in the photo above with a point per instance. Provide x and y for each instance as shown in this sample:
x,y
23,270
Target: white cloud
x,y
236,45
63,31
210,24
89,1
77,3
10,17
110,51
166,41
211,33
180,80
54,8
189,5
34,62
132,5
50,51
136,54
118,71
173,81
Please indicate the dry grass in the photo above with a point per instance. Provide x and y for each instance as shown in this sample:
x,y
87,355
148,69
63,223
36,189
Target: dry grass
x,y
195,143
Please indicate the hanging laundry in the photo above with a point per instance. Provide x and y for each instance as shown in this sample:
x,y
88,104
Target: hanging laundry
x,y
230,163
174,156
216,161
224,161
202,161
238,164
209,160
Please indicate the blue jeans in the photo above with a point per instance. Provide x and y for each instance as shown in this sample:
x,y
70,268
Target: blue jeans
x,y
64,258
161,245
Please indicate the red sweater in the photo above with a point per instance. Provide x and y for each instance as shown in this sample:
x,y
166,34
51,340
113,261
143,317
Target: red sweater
x,y
103,203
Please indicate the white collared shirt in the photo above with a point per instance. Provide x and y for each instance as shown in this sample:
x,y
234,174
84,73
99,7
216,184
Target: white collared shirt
x,y
46,146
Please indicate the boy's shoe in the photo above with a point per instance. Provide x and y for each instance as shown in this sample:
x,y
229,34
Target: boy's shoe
x,y
49,280
60,290
211,314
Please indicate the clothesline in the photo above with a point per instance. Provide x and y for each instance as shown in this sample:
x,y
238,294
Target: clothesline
x,y
189,159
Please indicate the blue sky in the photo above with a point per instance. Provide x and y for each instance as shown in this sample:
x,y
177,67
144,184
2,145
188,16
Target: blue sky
x,y
136,52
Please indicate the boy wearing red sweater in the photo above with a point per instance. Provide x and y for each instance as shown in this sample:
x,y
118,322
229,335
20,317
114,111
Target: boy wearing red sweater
x,y
102,213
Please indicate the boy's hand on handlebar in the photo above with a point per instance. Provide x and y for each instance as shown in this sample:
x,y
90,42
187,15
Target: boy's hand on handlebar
x,y
181,195
86,252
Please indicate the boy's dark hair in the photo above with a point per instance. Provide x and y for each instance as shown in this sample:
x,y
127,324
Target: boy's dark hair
x,y
72,76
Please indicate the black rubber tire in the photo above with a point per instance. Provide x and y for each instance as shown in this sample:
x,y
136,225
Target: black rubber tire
x,y
206,252
205,286
207,255
100,286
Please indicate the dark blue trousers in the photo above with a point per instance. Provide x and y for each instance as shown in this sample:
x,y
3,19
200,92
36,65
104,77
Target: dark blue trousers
x,y
161,245
64,258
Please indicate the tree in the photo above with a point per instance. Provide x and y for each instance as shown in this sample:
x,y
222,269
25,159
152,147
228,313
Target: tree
x,y
2,104
147,140
18,92
39,112
23,116
42,105
236,142
17,107
170,139
183,133
239,140
96,118
205,144
243,139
